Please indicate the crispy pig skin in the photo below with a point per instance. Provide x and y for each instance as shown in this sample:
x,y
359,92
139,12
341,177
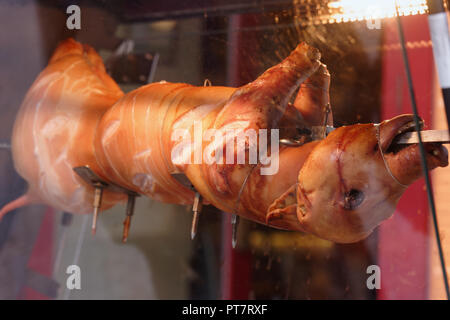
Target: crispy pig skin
x,y
54,129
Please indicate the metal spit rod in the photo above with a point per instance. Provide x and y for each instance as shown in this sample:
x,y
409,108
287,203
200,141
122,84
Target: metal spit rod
x,y
439,136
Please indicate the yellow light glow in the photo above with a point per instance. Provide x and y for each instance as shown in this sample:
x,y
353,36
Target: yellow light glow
x,y
352,10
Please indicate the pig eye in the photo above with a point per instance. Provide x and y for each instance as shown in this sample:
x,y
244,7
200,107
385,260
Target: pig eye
x,y
353,199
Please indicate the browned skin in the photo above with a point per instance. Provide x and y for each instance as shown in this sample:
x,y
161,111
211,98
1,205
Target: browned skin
x,y
345,189
133,144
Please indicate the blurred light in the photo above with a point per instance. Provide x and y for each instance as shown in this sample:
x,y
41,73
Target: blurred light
x,y
352,10
287,241
164,25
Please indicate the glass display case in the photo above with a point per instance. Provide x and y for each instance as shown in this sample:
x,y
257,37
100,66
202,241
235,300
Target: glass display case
x,y
228,43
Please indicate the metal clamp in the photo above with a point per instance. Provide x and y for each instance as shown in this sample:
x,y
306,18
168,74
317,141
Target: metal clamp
x,y
86,173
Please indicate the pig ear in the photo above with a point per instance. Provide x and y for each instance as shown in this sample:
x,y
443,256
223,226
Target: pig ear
x,y
282,213
285,218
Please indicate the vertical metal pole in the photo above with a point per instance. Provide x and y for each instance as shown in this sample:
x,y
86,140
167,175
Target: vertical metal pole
x,y
440,37
422,153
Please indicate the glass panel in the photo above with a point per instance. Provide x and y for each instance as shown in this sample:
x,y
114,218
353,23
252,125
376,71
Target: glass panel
x,y
228,44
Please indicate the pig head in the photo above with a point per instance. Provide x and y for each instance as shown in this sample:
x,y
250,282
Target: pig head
x,y
353,179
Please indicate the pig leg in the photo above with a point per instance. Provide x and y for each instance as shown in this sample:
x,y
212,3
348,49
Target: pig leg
x,y
263,102
313,99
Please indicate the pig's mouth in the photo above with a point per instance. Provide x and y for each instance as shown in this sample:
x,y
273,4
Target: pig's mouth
x,y
392,131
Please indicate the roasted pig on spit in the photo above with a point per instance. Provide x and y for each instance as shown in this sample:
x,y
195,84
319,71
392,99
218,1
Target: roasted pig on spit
x,y
224,140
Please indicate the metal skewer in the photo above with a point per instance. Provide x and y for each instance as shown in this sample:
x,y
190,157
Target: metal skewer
x,y
438,136
196,208
234,226
97,204
128,214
